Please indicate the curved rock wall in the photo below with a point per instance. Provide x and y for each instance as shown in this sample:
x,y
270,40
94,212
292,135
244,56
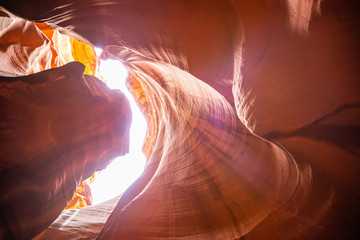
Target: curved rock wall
x,y
216,75
57,128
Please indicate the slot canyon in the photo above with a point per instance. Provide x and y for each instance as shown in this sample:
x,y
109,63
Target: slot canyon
x,y
252,110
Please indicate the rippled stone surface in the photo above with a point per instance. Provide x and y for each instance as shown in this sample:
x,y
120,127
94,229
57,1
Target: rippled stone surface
x,y
218,79
57,127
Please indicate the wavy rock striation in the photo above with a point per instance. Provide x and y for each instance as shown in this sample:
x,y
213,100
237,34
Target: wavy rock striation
x,y
214,79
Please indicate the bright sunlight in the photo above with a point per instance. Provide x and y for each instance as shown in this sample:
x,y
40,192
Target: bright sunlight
x,y
124,170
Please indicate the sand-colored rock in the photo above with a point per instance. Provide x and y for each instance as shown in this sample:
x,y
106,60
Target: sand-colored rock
x,y
57,128
253,112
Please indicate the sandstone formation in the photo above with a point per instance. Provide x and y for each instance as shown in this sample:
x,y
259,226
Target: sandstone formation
x,y
253,109
45,118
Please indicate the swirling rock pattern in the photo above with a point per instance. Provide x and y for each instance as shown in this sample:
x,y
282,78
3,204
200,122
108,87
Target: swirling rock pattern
x,y
216,75
45,118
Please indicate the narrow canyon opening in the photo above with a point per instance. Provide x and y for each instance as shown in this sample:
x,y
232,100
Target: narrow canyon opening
x,y
123,170
252,113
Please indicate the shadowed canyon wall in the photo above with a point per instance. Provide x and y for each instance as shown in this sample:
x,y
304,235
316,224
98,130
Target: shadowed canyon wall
x,y
253,110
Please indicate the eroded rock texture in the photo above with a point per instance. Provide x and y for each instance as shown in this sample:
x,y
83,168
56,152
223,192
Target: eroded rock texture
x,y
216,78
56,126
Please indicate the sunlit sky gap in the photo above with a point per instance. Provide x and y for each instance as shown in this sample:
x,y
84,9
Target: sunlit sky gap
x,y
123,170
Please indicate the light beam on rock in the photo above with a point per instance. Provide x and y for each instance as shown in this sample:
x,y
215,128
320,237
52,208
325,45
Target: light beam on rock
x,y
123,170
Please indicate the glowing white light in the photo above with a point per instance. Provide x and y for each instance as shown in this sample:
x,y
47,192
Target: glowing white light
x,y
123,170
98,51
